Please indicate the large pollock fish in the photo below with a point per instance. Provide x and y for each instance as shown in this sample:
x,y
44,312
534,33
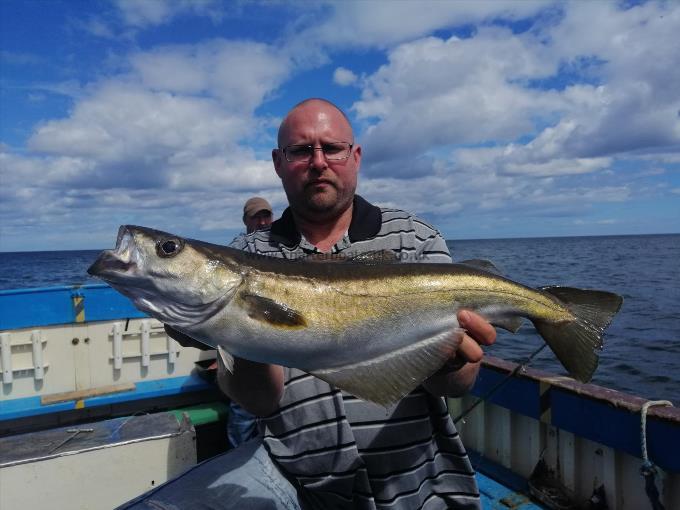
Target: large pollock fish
x,y
373,328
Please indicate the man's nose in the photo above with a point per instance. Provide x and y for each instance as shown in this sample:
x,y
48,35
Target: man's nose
x,y
318,158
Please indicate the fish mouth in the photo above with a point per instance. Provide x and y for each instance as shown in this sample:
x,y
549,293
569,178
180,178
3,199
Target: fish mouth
x,y
116,262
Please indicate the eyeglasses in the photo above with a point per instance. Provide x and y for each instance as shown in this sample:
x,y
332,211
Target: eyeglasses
x,y
335,151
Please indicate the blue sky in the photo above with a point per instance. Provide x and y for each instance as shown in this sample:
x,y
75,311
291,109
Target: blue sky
x,y
488,119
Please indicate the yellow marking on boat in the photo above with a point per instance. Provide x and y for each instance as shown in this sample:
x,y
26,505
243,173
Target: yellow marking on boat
x,y
79,308
80,404
544,402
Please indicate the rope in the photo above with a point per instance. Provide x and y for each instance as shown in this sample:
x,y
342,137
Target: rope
x,y
648,470
498,385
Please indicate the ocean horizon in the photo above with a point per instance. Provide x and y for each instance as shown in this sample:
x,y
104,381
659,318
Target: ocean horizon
x,y
448,240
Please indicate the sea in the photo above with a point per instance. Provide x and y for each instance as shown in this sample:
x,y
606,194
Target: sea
x,y
641,354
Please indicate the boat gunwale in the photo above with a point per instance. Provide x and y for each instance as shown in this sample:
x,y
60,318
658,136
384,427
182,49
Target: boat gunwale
x,y
616,398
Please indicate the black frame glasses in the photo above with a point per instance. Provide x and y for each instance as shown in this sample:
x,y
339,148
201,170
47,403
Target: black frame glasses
x,y
301,153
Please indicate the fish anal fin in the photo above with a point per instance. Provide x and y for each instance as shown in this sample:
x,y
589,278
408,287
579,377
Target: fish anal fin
x,y
269,311
388,377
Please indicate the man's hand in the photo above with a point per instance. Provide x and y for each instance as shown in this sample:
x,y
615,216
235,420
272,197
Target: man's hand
x,y
256,387
458,375
478,332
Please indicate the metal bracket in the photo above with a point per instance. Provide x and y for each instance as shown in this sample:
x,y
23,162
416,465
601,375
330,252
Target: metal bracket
x,y
6,353
38,368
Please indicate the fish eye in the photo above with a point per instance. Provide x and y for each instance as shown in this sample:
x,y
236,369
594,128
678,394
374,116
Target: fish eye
x,y
169,247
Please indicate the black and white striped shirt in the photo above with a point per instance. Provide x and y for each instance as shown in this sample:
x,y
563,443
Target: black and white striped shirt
x,y
347,453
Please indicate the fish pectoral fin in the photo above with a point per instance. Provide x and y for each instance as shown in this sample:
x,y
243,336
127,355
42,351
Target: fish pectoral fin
x,y
511,324
227,359
389,377
269,311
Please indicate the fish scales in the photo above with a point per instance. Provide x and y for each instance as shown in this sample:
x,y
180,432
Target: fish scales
x,y
337,301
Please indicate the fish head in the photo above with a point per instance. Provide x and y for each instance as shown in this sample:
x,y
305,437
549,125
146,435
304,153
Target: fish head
x,y
176,280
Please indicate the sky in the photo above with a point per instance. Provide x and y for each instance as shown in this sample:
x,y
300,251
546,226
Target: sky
x,y
487,119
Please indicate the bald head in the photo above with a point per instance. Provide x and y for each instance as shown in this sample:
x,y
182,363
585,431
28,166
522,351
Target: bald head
x,y
311,103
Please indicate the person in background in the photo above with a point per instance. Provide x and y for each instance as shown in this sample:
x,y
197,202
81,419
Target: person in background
x,y
322,448
241,425
257,214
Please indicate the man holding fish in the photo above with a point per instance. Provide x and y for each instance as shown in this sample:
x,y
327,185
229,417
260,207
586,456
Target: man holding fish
x,y
342,352
322,447
318,163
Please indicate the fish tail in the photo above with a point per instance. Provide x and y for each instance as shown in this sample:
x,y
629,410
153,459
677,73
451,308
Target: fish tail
x,y
576,342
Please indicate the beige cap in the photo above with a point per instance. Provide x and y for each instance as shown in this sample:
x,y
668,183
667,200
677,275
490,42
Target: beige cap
x,y
255,205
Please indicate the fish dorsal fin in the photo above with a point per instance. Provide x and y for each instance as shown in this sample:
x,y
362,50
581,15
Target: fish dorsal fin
x,y
388,377
269,311
483,264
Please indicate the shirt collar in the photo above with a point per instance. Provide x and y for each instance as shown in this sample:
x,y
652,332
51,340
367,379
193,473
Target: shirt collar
x,y
365,224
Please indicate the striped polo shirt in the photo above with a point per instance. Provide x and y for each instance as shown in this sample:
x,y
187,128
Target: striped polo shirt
x,y
347,453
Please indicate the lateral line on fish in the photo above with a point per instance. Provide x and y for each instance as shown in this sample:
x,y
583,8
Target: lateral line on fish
x,y
549,299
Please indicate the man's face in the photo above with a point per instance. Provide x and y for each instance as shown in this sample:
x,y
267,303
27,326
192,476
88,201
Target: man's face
x,y
318,189
258,220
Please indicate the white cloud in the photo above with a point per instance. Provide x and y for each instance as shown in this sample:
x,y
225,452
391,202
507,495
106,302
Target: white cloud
x,y
178,119
150,146
496,87
558,167
45,199
636,107
457,192
436,92
145,13
96,26
343,76
384,24
120,122
127,137
607,221
240,73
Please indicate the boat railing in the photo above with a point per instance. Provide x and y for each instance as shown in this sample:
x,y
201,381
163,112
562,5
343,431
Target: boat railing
x,y
73,351
583,437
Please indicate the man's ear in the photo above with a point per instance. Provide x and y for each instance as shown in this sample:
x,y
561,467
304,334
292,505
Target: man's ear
x,y
277,155
356,154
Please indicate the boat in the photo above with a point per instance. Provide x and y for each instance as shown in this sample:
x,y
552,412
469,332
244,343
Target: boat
x,y
99,402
